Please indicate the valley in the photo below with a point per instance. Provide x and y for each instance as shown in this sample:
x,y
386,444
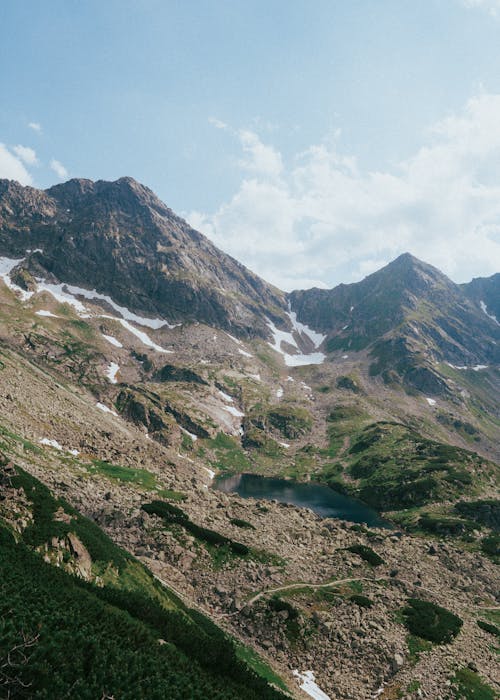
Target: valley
x,y
138,362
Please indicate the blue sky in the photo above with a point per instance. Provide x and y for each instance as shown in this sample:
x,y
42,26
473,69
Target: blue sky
x,y
313,140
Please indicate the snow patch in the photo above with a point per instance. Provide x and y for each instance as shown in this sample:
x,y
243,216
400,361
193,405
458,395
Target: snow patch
x,y
302,329
309,686
112,340
51,443
105,409
279,393
235,340
344,357
485,310
225,396
191,435
112,371
145,339
315,358
255,376
244,353
284,444
476,368
49,314
75,453
234,411
431,402
92,295
210,473
6,267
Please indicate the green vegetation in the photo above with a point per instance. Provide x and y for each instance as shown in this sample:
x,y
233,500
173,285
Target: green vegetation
x,y
430,621
229,457
171,495
140,477
443,525
291,615
395,468
255,662
291,421
469,686
241,523
75,639
361,600
366,553
489,627
416,646
491,547
171,514
44,527
484,512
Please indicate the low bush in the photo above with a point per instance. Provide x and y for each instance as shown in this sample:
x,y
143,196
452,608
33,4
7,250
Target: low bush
x,y
361,600
366,553
430,621
173,514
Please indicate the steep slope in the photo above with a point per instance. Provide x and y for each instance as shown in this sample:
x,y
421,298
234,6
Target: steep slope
x,y
121,240
485,291
409,316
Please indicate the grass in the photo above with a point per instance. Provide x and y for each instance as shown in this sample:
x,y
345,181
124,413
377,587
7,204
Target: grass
x,y
139,477
171,495
229,457
416,646
252,659
470,686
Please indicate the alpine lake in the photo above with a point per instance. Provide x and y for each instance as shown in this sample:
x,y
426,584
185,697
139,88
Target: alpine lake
x,y
321,499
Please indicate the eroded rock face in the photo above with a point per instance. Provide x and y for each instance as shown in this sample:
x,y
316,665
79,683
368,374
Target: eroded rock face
x,y
120,239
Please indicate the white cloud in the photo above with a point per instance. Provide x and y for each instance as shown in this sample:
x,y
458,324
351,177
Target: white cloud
x,y
217,123
59,169
260,159
35,126
26,154
323,220
491,6
12,168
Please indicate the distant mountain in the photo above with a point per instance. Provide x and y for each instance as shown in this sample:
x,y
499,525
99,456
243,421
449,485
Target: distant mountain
x,y
409,315
485,291
120,239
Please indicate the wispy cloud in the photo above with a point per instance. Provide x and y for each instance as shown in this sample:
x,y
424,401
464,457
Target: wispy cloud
x,y
59,169
35,126
217,123
26,154
12,167
308,222
491,6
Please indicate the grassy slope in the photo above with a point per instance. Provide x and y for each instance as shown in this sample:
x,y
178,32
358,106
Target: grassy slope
x,y
91,640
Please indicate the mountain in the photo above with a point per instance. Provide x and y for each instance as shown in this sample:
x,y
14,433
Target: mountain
x,y
121,240
137,364
408,316
485,291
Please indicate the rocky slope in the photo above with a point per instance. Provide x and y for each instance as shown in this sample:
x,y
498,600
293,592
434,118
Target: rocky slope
x,y
121,240
485,291
409,316
117,413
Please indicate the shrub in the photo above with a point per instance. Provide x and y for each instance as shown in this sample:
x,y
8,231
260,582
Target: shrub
x,y
488,627
361,600
430,621
366,553
241,523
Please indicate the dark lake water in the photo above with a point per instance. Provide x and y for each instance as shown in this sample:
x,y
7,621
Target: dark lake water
x,y
320,499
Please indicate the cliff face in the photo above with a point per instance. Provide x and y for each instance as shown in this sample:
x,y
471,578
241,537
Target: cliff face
x,y
120,239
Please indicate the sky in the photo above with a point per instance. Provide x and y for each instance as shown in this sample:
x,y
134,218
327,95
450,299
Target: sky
x,y
313,140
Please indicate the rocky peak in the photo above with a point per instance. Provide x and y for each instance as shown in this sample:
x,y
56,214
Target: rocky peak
x,y
120,239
